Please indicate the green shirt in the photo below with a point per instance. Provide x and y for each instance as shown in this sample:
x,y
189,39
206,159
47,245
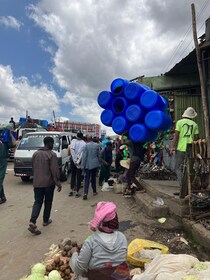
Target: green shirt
x,y
187,129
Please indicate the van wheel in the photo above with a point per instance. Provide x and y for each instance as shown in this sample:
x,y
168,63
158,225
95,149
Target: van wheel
x,y
65,172
25,178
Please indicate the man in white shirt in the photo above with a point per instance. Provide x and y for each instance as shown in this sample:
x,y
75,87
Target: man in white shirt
x,y
76,147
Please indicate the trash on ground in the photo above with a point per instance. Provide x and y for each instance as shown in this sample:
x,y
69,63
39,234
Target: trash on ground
x,y
158,201
179,267
162,220
137,245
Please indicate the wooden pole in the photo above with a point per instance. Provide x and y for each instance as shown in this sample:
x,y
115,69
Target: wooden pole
x,y
202,84
189,188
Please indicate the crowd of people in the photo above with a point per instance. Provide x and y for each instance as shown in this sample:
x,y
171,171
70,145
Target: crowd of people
x,y
91,158
103,254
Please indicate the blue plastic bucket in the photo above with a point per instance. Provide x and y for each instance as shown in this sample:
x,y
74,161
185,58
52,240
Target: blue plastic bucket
x,y
151,100
133,91
134,113
5,135
165,101
158,120
22,120
118,85
119,105
107,117
105,99
44,123
146,87
120,125
140,133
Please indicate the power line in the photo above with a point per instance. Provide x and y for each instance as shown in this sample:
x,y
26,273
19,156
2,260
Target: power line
x,y
199,15
181,44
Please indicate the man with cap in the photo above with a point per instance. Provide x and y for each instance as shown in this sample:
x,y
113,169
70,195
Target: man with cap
x,y
103,254
186,132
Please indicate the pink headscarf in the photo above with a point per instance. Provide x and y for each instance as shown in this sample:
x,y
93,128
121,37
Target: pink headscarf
x,y
105,212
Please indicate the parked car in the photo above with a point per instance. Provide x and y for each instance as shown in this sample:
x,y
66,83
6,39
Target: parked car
x,y
11,154
33,141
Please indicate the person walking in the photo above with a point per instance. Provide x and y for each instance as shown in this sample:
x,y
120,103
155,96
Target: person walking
x,y
4,152
77,145
90,164
105,161
46,176
136,154
186,131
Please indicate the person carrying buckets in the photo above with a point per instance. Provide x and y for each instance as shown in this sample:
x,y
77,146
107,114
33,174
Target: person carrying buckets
x,y
136,152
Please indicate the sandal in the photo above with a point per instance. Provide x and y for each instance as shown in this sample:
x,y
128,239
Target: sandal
x,y
128,192
47,223
33,229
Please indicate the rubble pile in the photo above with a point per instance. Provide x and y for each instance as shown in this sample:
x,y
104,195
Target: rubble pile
x,y
156,172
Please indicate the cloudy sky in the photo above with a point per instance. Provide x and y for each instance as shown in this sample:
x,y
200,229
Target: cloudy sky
x,y
58,55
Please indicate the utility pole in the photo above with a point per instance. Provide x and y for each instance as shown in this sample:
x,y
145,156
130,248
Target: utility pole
x,y
202,83
54,119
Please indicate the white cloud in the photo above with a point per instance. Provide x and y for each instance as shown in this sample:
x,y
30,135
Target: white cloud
x,y
9,21
18,96
100,40
85,109
47,48
94,42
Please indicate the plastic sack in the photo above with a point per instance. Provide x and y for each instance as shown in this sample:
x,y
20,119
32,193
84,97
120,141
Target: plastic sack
x,y
141,244
158,201
119,188
106,187
5,126
169,266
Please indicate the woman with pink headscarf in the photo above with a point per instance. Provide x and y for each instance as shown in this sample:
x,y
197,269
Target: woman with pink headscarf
x,y
103,254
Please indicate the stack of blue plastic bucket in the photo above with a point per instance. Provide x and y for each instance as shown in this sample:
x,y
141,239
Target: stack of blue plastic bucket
x,y
134,108
5,135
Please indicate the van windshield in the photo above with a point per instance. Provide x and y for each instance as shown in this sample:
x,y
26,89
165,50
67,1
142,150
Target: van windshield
x,y
36,141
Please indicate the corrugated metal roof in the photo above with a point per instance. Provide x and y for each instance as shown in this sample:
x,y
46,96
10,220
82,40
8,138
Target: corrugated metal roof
x,y
187,65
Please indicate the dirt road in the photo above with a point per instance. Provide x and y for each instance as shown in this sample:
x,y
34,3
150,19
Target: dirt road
x,y
20,249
